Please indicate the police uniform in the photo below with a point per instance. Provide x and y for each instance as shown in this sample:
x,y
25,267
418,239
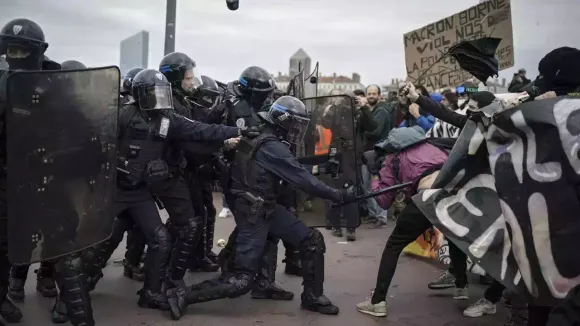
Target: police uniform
x,y
144,140
260,167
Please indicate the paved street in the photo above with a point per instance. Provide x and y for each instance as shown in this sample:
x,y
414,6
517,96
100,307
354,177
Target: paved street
x,y
350,268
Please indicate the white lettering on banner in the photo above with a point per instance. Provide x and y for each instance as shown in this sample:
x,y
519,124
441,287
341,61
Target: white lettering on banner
x,y
559,285
540,172
424,47
519,248
481,245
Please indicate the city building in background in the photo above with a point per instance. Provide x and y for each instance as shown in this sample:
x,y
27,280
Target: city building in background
x,y
300,59
325,83
134,52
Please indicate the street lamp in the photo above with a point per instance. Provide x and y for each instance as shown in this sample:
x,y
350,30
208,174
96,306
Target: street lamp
x,y
233,4
171,13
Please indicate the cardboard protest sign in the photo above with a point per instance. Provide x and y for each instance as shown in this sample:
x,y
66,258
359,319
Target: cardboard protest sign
x,y
425,46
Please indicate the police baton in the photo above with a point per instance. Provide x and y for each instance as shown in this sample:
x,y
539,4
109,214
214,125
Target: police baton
x,y
374,194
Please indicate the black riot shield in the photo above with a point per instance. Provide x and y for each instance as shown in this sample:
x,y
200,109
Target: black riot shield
x,y
331,137
61,155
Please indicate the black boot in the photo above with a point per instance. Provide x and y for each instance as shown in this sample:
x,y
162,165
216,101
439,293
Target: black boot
x,y
350,235
292,260
9,312
235,285
264,286
18,275
74,290
199,261
59,312
312,251
45,280
132,267
337,232
133,272
152,300
153,293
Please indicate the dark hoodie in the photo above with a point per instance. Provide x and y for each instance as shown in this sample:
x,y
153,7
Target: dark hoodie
x,y
383,118
560,71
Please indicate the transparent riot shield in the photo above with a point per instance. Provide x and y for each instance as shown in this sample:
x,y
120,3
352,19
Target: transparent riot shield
x,y
331,136
61,156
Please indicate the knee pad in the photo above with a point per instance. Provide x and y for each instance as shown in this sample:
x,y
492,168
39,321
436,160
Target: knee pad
x,y
162,240
314,242
240,284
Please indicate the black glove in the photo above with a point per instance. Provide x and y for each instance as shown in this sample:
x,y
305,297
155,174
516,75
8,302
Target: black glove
x,y
348,194
251,132
332,167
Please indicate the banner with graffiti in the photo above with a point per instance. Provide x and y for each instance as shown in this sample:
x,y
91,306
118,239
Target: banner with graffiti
x,y
509,196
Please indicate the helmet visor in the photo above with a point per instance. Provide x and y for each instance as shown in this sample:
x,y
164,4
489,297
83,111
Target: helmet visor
x,y
297,129
157,97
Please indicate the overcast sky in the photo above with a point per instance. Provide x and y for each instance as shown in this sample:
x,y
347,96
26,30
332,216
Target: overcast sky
x,y
346,36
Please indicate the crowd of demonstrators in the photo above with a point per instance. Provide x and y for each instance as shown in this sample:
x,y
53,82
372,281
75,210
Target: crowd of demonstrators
x,y
408,155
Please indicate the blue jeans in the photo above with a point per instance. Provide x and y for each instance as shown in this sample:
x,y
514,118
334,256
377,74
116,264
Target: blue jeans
x,y
371,204
251,238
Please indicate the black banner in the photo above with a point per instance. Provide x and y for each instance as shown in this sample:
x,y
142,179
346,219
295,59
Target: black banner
x,y
509,196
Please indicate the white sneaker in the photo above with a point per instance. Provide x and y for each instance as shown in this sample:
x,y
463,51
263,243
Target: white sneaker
x,y
376,310
461,294
480,308
225,213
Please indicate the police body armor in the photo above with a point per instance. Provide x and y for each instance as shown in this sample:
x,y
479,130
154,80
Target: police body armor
x,y
142,146
254,187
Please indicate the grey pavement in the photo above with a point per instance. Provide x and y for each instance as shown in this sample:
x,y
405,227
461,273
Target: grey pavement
x,y
350,275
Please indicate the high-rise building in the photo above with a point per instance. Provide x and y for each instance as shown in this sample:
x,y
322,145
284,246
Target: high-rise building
x,y
134,52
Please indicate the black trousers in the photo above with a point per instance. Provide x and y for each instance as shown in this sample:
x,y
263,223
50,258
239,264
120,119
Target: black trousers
x,y
410,225
139,206
494,292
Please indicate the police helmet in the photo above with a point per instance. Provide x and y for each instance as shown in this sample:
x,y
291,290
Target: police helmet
x,y
23,43
128,79
289,114
72,65
207,93
175,67
152,91
256,79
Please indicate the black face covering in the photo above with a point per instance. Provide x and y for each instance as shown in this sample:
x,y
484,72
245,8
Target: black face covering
x,y
31,62
257,100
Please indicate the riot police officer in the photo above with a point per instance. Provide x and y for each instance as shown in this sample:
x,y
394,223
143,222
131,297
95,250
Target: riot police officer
x,y
127,84
201,173
147,126
259,167
188,94
251,94
23,43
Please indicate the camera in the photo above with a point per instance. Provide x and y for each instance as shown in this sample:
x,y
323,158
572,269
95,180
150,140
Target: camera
x,y
233,4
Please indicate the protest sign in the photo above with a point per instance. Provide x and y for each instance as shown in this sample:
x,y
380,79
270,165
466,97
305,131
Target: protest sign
x,y
426,46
